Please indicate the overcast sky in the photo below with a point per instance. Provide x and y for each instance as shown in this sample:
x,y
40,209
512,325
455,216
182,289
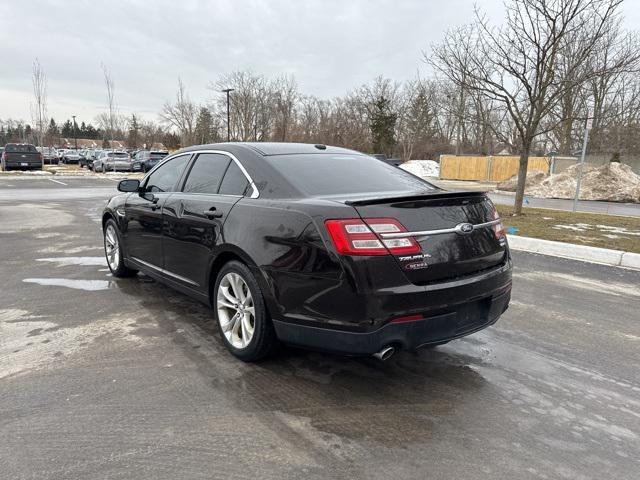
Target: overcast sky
x,y
331,46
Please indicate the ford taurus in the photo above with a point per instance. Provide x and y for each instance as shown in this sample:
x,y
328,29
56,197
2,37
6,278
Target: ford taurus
x,y
314,246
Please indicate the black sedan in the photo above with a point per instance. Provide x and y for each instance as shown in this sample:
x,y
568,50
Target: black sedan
x,y
314,246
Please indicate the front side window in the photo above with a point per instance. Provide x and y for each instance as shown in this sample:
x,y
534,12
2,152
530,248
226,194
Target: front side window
x,y
165,178
206,174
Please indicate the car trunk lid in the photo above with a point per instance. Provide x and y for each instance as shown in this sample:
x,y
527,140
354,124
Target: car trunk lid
x,y
456,232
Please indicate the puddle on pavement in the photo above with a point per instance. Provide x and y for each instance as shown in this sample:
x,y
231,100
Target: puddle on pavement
x,y
88,285
83,261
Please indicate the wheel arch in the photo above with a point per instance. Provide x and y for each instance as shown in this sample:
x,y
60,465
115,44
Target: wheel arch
x,y
225,255
106,216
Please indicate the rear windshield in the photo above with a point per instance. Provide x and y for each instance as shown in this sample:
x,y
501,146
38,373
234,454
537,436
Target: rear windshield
x,y
21,149
157,155
336,174
119,155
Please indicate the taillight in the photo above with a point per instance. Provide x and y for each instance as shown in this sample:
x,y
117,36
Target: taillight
x,y
498,228
355,237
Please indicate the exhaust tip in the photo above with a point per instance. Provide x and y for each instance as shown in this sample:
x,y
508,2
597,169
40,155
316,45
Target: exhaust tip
x,y
385,354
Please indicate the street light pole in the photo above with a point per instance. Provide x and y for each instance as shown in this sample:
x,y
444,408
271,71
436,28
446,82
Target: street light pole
x,y
228,91
75,135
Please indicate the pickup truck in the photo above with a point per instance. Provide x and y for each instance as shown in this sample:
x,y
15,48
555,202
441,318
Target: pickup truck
x,y
20,156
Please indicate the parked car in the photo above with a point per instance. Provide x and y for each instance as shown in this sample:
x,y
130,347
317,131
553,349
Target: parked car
x,y
112,160
118,161
320,247
145,160
49,154
20,156
85,158
93,156
71,157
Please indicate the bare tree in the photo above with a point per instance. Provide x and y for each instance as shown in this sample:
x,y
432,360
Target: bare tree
x,y
516,65
39,107
112,108
285,92
181,115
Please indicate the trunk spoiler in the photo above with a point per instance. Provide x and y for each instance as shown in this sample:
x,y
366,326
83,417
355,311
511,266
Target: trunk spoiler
x,y
416,196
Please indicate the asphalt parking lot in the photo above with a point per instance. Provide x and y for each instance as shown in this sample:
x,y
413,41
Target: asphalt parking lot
x,y
106,378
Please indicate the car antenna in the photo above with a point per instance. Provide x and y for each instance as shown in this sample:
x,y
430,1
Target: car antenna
x,y
320,146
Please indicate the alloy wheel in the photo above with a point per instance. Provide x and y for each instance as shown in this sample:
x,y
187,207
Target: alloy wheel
x,y
236,311
112,247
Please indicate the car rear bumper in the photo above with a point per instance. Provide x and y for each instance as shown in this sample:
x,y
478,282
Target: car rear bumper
x,y
446,311
462,320
118,166
24,165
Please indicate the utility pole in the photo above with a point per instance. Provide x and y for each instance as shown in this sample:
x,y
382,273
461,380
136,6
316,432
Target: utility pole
x,y
75,135
228,91
587,127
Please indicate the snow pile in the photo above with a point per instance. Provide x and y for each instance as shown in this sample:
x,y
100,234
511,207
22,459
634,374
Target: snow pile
x,y
614,182
533,178
422,168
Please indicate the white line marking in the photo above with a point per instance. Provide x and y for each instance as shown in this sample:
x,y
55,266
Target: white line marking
x,y
57,181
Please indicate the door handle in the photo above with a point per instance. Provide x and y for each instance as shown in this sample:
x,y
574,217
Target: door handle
x,y
212,213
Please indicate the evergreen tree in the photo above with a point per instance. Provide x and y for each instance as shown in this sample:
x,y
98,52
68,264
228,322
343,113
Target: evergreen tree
x,y
134,127
382,122
67,129
204,131
53,129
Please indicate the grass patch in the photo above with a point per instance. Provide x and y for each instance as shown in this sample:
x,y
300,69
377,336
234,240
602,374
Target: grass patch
x,y
596,230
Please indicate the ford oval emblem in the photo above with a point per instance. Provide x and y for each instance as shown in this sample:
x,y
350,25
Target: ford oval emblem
x,y
464,228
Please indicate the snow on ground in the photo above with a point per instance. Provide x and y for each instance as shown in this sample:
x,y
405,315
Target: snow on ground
x,y
605,230
422,168
14,173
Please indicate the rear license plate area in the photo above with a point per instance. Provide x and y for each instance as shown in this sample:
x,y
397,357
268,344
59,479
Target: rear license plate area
x,y
472,315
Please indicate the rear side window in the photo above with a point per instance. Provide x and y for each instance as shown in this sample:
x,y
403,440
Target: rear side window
x,y
21,149
234,182
206,174
164,179
336,174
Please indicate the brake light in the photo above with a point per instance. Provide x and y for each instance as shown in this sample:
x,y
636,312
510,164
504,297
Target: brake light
x,y
498,228
355,237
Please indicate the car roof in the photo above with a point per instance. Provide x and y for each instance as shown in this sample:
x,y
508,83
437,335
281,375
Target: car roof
x,y
272,148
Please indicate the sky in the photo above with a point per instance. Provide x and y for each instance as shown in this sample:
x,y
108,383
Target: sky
x,y
330,46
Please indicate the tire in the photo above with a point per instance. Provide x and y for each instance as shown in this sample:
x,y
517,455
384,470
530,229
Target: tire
x,y
236,328
113,251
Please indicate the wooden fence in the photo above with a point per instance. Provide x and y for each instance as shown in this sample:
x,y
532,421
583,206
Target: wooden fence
x,y
491,168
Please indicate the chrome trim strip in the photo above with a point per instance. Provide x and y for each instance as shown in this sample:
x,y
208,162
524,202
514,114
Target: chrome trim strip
x,y
255,193
166,272
425,233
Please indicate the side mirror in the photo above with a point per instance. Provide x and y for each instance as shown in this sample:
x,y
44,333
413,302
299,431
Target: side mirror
x,y
129,185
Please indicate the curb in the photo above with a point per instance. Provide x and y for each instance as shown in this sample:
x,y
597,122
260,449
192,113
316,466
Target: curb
x,y
605,256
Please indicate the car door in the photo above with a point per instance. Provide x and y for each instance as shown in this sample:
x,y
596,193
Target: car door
x,y
193,218
142,235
